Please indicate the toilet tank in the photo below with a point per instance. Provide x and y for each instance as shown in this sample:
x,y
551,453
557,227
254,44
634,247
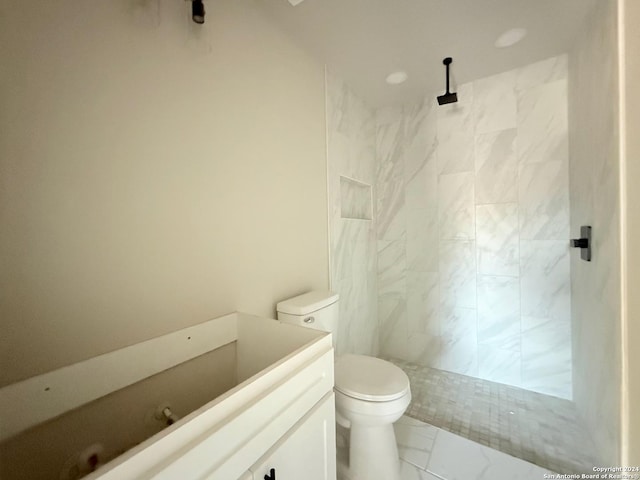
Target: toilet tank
x,y
316,309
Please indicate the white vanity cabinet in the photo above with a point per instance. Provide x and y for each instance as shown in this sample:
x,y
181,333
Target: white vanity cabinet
x,y
279,415
306,452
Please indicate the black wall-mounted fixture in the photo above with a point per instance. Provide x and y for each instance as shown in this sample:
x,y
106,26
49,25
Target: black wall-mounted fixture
x,y
448,97
583,243
197,11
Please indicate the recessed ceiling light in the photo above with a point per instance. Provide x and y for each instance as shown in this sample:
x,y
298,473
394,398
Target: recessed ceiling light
x,y
397,78
510,37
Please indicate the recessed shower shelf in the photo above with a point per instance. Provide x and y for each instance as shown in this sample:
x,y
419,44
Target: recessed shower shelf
x,y
355,199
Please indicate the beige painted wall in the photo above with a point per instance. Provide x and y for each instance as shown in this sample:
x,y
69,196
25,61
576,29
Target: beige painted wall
x,y
632,128
153,173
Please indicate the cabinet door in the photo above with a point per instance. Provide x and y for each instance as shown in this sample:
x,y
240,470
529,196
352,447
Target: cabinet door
x,y
307,451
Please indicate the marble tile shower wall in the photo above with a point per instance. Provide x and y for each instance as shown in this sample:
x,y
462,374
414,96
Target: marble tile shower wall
x,y
352,162
594,170
473,229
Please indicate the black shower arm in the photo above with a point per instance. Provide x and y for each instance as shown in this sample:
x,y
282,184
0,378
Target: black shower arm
x,y
447,66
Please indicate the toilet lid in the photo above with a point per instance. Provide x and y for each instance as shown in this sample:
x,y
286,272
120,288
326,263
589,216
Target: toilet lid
x,y
370,378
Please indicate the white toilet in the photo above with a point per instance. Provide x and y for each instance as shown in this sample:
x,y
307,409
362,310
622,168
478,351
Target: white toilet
x,y
371,393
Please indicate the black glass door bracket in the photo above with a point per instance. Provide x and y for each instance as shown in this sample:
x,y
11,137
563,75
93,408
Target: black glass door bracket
x,y
583,243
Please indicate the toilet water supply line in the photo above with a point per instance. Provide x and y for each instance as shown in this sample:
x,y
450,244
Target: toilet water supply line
x,y
169,416
165,414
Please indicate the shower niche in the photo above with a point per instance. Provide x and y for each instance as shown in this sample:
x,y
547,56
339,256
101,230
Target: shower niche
x,y
355,199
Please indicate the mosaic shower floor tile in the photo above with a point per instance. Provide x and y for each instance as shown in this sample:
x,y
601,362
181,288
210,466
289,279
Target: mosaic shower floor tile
x,y
540,429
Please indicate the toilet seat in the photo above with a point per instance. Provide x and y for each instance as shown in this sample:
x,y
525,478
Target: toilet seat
x,y
370,379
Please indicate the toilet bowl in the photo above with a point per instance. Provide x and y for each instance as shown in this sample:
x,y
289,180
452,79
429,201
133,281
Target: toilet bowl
x,y
370,393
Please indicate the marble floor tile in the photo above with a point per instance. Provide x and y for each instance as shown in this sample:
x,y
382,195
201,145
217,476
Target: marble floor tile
x,y
411,472
415,440
430,453
480,462
540,429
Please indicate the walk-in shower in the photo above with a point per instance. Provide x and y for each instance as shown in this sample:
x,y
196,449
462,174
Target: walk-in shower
x,y
465,275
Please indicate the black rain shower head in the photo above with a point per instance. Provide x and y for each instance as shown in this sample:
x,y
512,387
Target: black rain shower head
x,y
448,97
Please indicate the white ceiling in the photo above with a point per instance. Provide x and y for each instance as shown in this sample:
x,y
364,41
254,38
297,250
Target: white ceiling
x,y
364,40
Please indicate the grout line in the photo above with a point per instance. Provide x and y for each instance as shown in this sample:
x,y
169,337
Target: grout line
x,y
517,162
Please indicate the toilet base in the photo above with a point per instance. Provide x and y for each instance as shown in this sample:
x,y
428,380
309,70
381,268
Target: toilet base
x,y
373,454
